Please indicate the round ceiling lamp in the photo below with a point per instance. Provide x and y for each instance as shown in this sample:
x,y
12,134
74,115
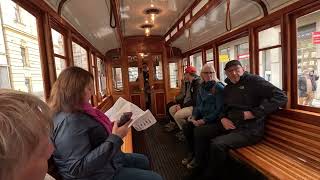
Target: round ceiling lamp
x,y
147,28
152,12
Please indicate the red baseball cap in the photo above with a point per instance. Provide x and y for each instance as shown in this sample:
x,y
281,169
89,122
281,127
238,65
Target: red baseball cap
x,y
190,69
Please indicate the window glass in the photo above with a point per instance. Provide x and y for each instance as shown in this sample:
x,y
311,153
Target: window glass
x,y
209,55
270,60
58,43
102,77
224,57
243,55
60,65
270,66
270,37
236,49
80,56
117,79
157,67
196,61
173,75
19,50
308,56
133,68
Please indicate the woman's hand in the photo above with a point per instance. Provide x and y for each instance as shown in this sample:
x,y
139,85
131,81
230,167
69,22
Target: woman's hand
x,y
121,131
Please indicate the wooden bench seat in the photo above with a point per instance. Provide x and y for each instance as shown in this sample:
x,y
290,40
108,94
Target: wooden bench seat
x,y
290,150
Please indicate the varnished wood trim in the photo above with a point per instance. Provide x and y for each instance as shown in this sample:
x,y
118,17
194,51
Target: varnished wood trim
x,y
61,3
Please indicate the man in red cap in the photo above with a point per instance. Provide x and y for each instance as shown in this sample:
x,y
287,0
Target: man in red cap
x,y
181,111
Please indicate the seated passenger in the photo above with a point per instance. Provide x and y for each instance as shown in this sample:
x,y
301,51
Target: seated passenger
x,y
209,106
180,112
87,144
25,126
178,100
248,99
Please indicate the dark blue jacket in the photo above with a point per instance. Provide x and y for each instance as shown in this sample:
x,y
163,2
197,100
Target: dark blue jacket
x,y
209,102
83,148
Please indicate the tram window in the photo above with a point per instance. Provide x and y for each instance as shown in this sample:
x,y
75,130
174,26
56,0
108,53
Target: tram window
x,y
80,56
133,68
60,65
209,56
237,49
224,57
196,61
19,48
184,63
102,77
58,42
173,75
308,59
270,56
59,51
117,79
243,55
157,67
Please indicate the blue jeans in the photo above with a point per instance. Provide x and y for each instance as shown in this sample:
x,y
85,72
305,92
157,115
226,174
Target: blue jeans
x,y
136,167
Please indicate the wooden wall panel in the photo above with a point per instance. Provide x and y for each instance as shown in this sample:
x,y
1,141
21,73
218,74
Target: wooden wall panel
x,y
136,99
160,104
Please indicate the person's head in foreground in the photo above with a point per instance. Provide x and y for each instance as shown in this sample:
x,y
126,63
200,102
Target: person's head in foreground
x,y
234,71
208,73
25,126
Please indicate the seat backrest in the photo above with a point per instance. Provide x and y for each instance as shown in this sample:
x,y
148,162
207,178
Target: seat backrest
x,y
295,138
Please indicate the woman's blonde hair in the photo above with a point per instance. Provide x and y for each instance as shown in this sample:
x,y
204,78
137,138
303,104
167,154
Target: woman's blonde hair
x,y
24,120
68,91
211,69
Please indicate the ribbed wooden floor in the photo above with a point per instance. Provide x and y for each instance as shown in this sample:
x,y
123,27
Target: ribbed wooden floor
x,y
166,152
163,150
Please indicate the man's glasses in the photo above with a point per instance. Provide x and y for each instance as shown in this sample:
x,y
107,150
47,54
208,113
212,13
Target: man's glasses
x,y
207,72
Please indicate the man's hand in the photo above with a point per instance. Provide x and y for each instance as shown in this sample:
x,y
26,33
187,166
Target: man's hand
x,y
227,124
198,123
248,115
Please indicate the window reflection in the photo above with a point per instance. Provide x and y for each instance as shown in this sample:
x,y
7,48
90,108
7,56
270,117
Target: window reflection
x,y
173,75
117,79
157,67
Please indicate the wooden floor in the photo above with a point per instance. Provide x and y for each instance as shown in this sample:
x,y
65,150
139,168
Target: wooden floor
x,y
166,152
163,150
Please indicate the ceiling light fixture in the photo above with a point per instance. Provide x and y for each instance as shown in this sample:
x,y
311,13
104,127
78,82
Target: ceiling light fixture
x,y
147,28
152,12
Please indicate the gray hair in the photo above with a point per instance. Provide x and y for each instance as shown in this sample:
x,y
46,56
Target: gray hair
x,y
211,69
24,119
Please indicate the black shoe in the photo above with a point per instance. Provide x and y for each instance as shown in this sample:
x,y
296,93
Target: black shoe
x,y
194,174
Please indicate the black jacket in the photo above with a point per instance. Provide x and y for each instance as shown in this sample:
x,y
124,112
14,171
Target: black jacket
x,y
83,148
195,85
255,94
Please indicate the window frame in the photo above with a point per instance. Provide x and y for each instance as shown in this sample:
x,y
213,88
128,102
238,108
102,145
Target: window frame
x,y
293,16
63,32
274,23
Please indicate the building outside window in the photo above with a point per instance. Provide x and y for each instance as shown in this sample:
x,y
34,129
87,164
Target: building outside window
x,y
59,51
80,56
308,59
19,48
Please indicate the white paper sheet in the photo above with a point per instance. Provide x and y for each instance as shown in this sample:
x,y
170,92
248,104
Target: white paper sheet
x,y
141,120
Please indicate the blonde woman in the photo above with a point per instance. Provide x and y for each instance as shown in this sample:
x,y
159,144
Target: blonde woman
x,y
209,105
25,125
